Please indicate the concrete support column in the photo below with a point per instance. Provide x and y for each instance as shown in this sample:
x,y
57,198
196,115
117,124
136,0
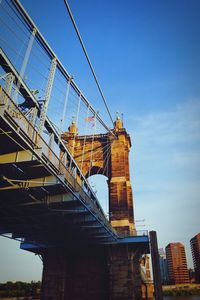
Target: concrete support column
x,y
156,266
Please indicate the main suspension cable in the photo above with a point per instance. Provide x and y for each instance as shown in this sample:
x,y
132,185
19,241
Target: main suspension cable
x,y
87,57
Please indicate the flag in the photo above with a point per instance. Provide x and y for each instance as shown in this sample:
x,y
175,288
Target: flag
x,y
90,119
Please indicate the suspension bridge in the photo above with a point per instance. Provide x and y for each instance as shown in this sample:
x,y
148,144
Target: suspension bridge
x,y
51,141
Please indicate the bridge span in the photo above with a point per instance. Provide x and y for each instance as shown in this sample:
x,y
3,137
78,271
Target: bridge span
x,y
46,201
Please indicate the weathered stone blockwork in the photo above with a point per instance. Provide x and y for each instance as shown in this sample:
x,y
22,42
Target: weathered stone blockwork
x,y
125,280
110,272
100,273
77,275
109,156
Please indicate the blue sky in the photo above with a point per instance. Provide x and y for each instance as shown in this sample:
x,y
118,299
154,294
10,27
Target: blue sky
x,y
147,57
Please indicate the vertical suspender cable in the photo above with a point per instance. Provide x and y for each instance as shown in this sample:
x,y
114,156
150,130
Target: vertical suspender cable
x,y
65,105
83,154
87,57
76,123
92,148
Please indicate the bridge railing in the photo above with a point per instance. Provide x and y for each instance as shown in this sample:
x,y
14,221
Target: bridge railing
x,y
40,79
29,133
142,233
71,176
44,73
134,233
26,129
50,135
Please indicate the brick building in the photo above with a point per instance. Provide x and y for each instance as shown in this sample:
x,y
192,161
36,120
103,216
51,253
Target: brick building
x,y
177,264
195,248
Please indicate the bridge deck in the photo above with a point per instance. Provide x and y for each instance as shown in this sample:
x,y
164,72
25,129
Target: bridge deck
x,y
43,199
41,204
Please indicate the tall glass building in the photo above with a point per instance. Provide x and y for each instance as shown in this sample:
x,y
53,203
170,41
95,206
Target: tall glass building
x,y
195,248
163,266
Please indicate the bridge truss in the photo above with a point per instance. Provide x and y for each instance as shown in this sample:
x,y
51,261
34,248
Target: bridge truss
x,y
45,200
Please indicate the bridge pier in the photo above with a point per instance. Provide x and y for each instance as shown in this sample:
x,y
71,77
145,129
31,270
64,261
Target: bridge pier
x,y
78,274
86,273
102,272
124,273
47,200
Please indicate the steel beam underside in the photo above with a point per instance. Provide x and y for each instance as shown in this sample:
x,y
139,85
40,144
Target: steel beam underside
x,y
45,212
139,243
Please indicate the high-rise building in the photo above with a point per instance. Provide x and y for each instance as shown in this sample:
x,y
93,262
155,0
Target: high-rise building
x,y
163,266
195,247
177,264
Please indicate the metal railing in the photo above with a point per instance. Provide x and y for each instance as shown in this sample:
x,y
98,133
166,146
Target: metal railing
x,y
23,127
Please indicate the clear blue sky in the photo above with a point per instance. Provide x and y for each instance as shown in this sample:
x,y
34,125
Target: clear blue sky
x,y
147,57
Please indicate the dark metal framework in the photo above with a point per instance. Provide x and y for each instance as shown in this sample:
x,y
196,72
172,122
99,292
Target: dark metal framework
x,y
45,201
36,187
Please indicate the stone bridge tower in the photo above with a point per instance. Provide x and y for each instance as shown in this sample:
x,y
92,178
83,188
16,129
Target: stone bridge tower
x,y
108,155
100,272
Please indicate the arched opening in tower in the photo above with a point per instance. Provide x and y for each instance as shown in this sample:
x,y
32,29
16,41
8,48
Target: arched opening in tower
x,y
99,184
